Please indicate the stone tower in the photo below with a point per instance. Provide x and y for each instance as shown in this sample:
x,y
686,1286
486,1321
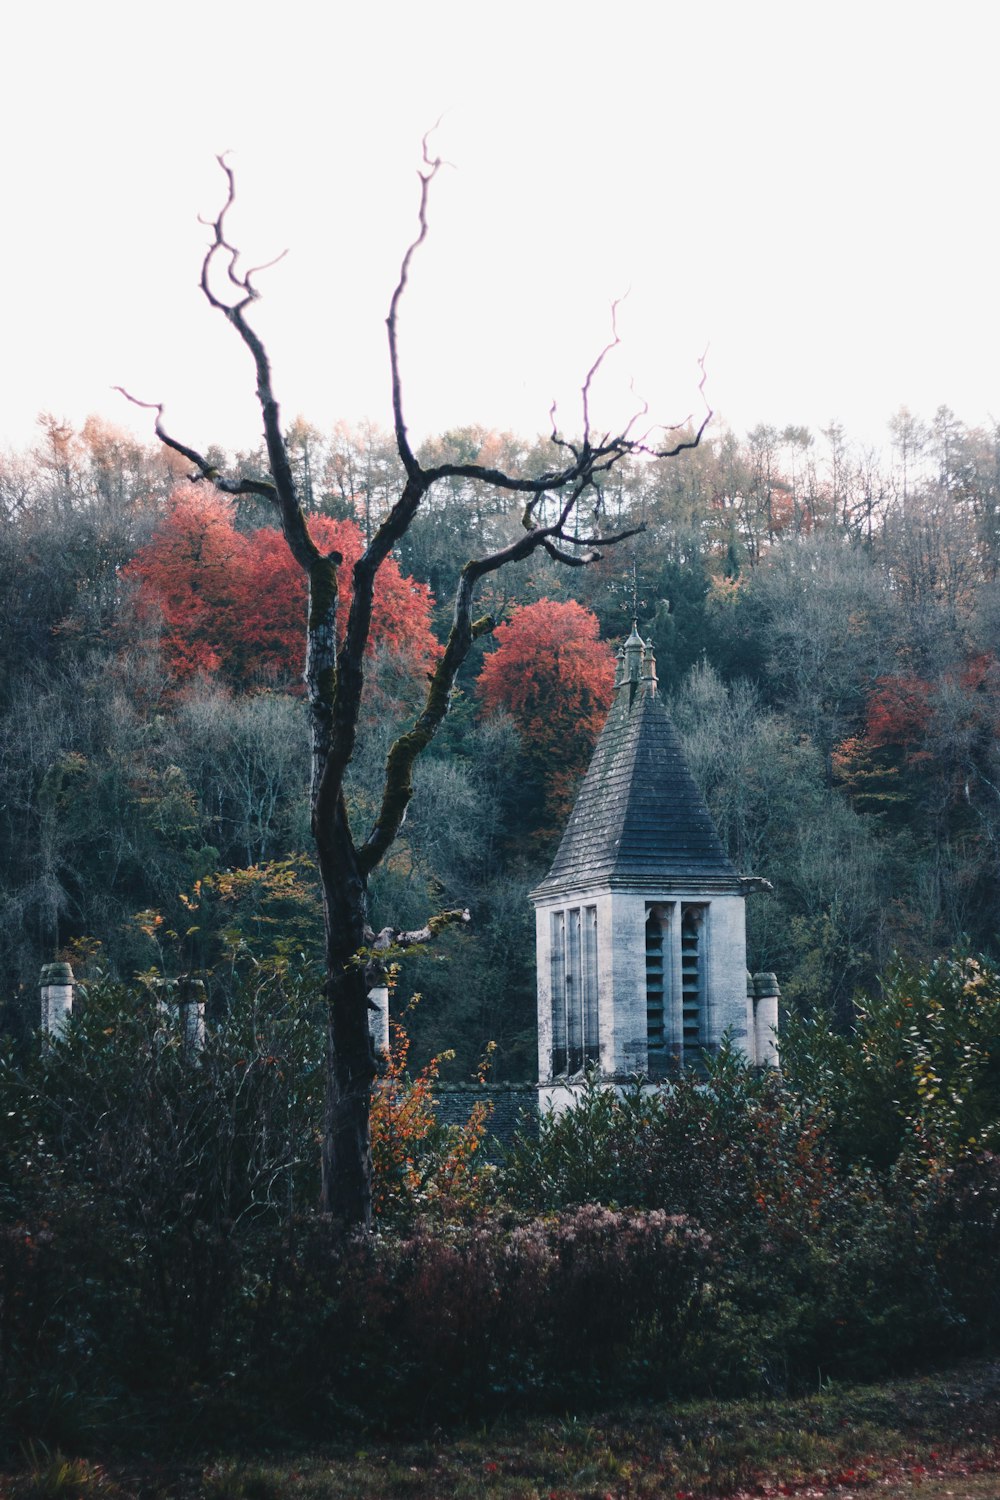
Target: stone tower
x,y
641,921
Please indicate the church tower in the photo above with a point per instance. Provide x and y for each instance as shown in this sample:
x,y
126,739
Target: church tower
x,y
641,921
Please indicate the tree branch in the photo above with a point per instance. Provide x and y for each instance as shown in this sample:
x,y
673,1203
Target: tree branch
x,y
598,362
433,165
392,939
569,558
203,469
689,443
608,541
335,676
293,522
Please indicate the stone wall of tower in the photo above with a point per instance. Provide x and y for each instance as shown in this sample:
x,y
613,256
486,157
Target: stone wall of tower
x,y
608,977
543,967
622,980
624,1002
727,966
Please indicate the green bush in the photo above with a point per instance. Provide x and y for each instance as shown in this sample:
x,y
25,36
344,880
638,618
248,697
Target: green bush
x,y
142,1185
817,1266
703,1146
918,1076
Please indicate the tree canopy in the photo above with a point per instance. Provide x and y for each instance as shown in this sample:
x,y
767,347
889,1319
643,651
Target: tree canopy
x,y
231,601
553,675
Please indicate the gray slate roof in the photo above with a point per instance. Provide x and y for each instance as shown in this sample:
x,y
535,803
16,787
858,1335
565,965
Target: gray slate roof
x,y
639,820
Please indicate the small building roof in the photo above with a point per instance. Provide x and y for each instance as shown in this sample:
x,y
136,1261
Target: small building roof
x,y
639,821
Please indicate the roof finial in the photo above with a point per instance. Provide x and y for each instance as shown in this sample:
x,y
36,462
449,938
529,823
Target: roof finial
x,y
649,665
633,650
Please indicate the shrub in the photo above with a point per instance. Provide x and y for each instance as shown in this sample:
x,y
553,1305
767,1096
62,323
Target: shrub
x,y
814,1266
920,1073
960,1224
142,1185
420,1165
161,1260
707,1147
462,1322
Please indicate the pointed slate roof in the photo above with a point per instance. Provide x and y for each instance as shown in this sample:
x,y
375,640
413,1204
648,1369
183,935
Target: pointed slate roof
x,y
639,820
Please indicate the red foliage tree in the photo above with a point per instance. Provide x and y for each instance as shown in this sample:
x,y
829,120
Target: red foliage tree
x,y
554,677
235,603
898,712
187,577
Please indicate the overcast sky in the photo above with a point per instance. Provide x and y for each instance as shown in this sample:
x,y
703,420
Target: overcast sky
x,y
808,190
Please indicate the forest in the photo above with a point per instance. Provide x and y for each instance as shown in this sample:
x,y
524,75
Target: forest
x,y
824,617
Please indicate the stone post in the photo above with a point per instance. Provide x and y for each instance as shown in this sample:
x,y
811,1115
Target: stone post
x,y
191,1015
378,1020
181,1006
57,998
766,1019
751,1019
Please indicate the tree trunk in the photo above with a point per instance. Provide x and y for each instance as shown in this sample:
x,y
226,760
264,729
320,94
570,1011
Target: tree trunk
x,y
346,1157
347,1151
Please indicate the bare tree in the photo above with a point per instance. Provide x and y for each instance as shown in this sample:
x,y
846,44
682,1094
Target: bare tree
x,y
335,673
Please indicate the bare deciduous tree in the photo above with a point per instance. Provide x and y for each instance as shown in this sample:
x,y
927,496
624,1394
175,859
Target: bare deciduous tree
x,y
335,672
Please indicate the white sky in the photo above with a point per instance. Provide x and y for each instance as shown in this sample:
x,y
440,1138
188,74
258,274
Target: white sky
x,y
807,188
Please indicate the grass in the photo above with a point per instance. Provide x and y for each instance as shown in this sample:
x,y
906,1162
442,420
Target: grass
x,y
926,1439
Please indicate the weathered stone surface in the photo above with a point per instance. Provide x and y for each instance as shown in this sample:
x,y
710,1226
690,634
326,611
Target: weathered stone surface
x,y
57,985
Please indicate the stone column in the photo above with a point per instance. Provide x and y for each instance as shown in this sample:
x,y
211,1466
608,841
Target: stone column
x,y
378,1020
751,1019
57,998
766,1019
191,1015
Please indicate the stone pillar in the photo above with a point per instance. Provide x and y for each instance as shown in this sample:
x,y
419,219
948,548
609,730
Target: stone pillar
x,y
766,1019
378,1020
181,1006
751,1019
57,998
191,1015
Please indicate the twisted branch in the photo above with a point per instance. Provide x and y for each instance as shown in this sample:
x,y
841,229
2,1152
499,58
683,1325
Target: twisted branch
x,y
202,468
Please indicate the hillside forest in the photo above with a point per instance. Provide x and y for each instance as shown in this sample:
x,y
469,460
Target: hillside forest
x,y
825,618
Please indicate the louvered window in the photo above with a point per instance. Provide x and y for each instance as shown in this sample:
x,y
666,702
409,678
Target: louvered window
x,y
574,993
657,993
693,975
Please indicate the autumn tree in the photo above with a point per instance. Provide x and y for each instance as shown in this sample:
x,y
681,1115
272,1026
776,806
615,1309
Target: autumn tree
x,y
336,659
554,677
231,601
186,580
